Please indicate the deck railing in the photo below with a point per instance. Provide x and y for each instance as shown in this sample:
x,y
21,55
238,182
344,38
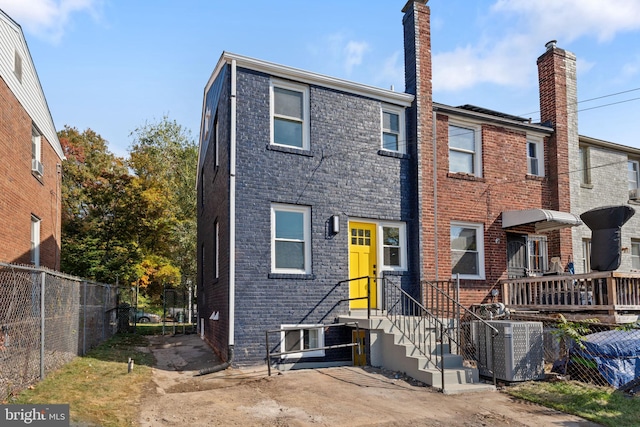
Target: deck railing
x,y
608,291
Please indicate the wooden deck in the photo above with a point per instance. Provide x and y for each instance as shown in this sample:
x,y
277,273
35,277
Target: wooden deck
x,y
610,296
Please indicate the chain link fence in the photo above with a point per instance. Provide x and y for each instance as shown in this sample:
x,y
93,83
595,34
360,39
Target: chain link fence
x,y
590,351
47,319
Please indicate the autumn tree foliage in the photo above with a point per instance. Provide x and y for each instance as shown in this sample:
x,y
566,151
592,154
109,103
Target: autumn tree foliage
x,y
130,220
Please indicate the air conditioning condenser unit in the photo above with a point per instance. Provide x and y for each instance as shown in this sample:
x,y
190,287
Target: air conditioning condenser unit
x,y
518,349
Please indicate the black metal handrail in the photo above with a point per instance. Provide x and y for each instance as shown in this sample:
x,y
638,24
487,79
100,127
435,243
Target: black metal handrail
x,y
447,307
368,297
424,330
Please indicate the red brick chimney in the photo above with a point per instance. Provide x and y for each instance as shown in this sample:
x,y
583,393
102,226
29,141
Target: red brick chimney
x,y
418,76
558,108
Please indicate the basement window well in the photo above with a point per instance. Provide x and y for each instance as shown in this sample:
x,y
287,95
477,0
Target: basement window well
x,y
301,340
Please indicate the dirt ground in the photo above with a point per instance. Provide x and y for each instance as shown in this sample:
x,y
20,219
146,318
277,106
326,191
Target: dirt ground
x,y
344,396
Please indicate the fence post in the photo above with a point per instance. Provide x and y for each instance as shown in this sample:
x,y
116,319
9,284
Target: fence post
x,y
43,274
84,317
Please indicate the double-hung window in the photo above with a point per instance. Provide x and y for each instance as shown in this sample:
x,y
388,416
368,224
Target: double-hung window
x,y
290,114
36,152
467,250
465,149
633,178
535,157
394,244
35,240
296,338
585,166
393,129
291,239
635,254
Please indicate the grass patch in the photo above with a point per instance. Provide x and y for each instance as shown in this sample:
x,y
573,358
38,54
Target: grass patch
x,y
602,405
97,386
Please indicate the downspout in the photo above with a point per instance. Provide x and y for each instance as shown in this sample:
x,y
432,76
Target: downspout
x,y
232,230
435,188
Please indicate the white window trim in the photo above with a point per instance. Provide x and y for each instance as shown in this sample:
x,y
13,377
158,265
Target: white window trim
x,y
545,258
35,240
634,242
306,211
477,138
637,180
540,153
216,145
305,114
480,239
402,146
301,328
403,246
36,140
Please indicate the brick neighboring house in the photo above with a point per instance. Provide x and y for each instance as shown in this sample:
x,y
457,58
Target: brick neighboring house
x,y
499,200
30,180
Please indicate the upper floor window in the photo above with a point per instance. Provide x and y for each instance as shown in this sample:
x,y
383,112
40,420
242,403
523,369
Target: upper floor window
x,y
216,142
17,66
36,153
36,144
535,157
465,149
633,174
467,250
393,129
202,188
35,240
585,165
290,239
290,115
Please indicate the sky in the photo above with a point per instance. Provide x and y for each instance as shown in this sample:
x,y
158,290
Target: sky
x,y
115,65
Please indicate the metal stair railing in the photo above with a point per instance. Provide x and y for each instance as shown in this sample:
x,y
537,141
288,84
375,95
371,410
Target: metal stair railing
x,y
416,323
463,331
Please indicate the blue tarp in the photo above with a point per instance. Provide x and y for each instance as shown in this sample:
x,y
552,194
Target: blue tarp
x,y
616,353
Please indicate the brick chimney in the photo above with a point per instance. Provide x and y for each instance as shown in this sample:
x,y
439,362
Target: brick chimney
x,y
418,76
558,108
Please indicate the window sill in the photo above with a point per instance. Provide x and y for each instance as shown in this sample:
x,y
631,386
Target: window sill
x,y
394,154
290,150
291,276
534,177
465,176
588,186
38,177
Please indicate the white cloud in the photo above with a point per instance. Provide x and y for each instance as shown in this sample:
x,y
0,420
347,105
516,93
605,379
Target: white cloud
x,y
47,19
571,19
353,53
518,31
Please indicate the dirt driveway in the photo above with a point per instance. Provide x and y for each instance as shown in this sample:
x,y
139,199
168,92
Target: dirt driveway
x,y
345,396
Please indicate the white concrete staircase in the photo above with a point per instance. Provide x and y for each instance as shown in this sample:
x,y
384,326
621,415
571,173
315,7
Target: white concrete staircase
x,y
390,349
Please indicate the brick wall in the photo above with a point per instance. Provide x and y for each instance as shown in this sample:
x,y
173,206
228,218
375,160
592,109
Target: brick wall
x,y
21,193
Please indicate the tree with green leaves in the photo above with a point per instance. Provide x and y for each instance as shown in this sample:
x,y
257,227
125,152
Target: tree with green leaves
x,y
98,210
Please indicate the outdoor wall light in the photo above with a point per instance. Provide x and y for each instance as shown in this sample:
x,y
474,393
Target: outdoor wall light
x,y
334,222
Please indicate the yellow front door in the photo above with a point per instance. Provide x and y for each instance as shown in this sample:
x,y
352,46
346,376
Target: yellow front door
x,y
362,263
